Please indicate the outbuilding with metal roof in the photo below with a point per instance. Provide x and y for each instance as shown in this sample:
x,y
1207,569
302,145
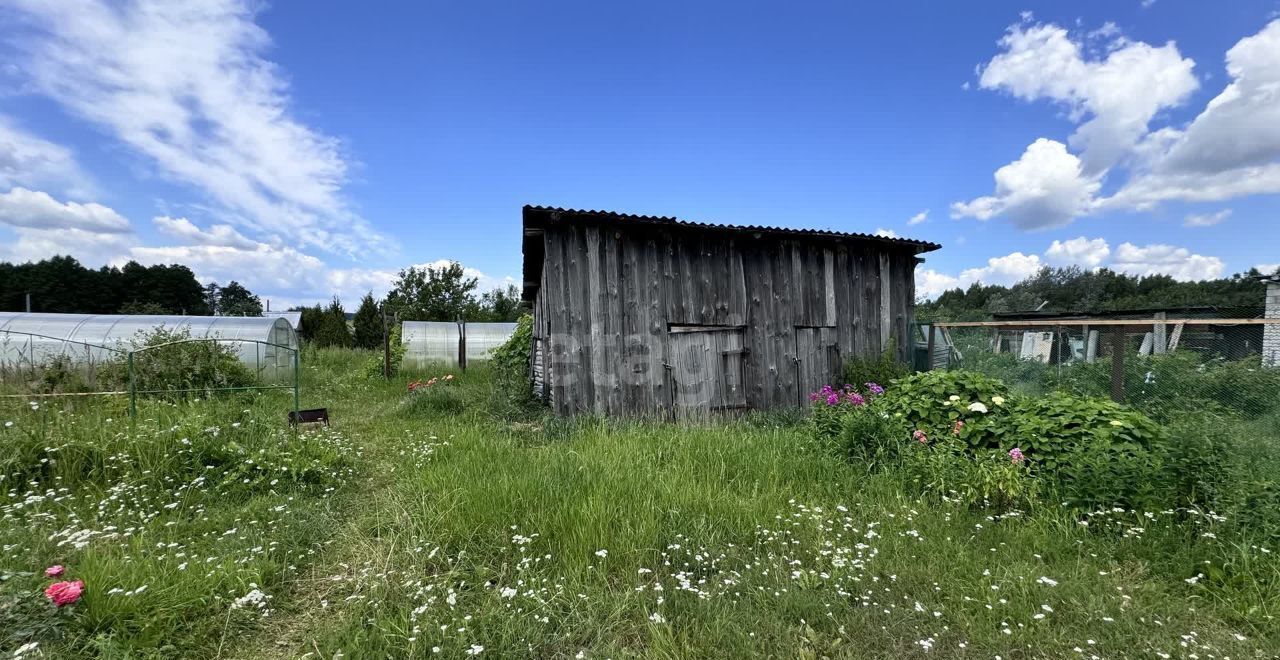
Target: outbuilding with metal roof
x,y
655,316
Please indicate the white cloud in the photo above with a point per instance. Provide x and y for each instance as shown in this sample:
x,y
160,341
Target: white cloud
x,y
1157,259
1081,251
1231,149
184,229
887,233
186,86
930,283
1116,96
1113,89
1267,269
1206,219
26,160
34,209
1177,262
91,248
1044,188
919,217
1009,269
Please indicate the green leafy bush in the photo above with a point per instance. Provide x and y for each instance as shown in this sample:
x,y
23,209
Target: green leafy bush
x,y
174,368
1045,427
883,370
935,400
373,367
871,436
513,391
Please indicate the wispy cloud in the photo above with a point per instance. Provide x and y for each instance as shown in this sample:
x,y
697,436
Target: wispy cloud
x,y
186,86
1206,219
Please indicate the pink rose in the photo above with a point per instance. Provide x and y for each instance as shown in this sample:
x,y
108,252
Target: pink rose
x,y
920,437
55,570
64,593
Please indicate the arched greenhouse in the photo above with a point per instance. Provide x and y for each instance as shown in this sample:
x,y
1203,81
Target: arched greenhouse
x,y
436,342
32,340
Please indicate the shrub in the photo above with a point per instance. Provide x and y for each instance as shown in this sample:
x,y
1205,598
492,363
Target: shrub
x,y
513,389
174,369
374,366
1048,426
883,369
1097,452
871,436
935,400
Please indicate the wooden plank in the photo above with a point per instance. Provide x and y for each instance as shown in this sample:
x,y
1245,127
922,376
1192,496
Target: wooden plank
x,y
884,310
613,312
758,324
829,285
1132,323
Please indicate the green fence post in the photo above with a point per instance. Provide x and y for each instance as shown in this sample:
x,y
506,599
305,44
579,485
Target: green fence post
x,y
296,406
133,390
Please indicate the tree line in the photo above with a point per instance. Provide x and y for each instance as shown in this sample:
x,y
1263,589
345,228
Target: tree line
x,y
1073,289
61,284
418,294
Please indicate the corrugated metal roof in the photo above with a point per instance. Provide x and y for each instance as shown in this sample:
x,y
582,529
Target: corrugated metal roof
x,y
918,246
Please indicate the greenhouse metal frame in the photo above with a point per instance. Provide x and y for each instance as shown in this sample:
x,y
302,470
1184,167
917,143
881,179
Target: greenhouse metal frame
x,y
32,340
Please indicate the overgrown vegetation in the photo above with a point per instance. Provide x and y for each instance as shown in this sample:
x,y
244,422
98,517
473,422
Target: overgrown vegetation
x,y
168,365
206,529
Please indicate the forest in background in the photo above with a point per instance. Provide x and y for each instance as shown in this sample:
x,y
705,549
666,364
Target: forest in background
x,y
1073,289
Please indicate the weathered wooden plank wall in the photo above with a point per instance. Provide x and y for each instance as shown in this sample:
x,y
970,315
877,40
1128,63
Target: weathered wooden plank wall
x,y
610,295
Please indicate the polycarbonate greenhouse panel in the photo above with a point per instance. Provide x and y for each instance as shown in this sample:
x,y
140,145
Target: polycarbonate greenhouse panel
x,y
32,340
436,342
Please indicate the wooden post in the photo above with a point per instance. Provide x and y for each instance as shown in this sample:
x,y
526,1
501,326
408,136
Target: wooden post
x,y
1117,364
462,344
386,346
929,354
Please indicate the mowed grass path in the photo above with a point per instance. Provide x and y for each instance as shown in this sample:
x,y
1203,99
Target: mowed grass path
x,y
455,534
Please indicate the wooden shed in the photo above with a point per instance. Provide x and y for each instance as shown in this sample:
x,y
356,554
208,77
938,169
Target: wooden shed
x,y
654,316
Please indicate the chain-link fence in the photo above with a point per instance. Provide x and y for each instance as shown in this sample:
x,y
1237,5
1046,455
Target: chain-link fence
x,y
1164,367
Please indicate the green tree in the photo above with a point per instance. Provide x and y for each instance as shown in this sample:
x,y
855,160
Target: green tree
x,y
136,307
432,294
498,306
333,330
368,323
235,300
312,319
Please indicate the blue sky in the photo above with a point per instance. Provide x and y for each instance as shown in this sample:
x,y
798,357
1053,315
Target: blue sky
x,y
314,148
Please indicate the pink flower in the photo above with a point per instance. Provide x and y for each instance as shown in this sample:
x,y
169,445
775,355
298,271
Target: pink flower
x,y
1016,456
856,399
55,570
955,428
833,399
64,593
920,437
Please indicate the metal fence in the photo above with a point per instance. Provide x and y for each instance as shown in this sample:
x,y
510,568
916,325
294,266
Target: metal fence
x,y
1164,367
83,369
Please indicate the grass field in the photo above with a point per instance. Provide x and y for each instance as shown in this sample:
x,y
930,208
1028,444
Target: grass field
x,y
416,527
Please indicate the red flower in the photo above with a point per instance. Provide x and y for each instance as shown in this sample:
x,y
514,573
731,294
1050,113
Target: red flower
x,y
64,593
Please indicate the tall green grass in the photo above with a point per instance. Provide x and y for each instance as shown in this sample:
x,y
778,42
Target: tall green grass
x,y
419,527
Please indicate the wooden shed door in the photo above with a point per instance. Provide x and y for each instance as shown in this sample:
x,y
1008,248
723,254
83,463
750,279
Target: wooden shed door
x,y
706,371
817,360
